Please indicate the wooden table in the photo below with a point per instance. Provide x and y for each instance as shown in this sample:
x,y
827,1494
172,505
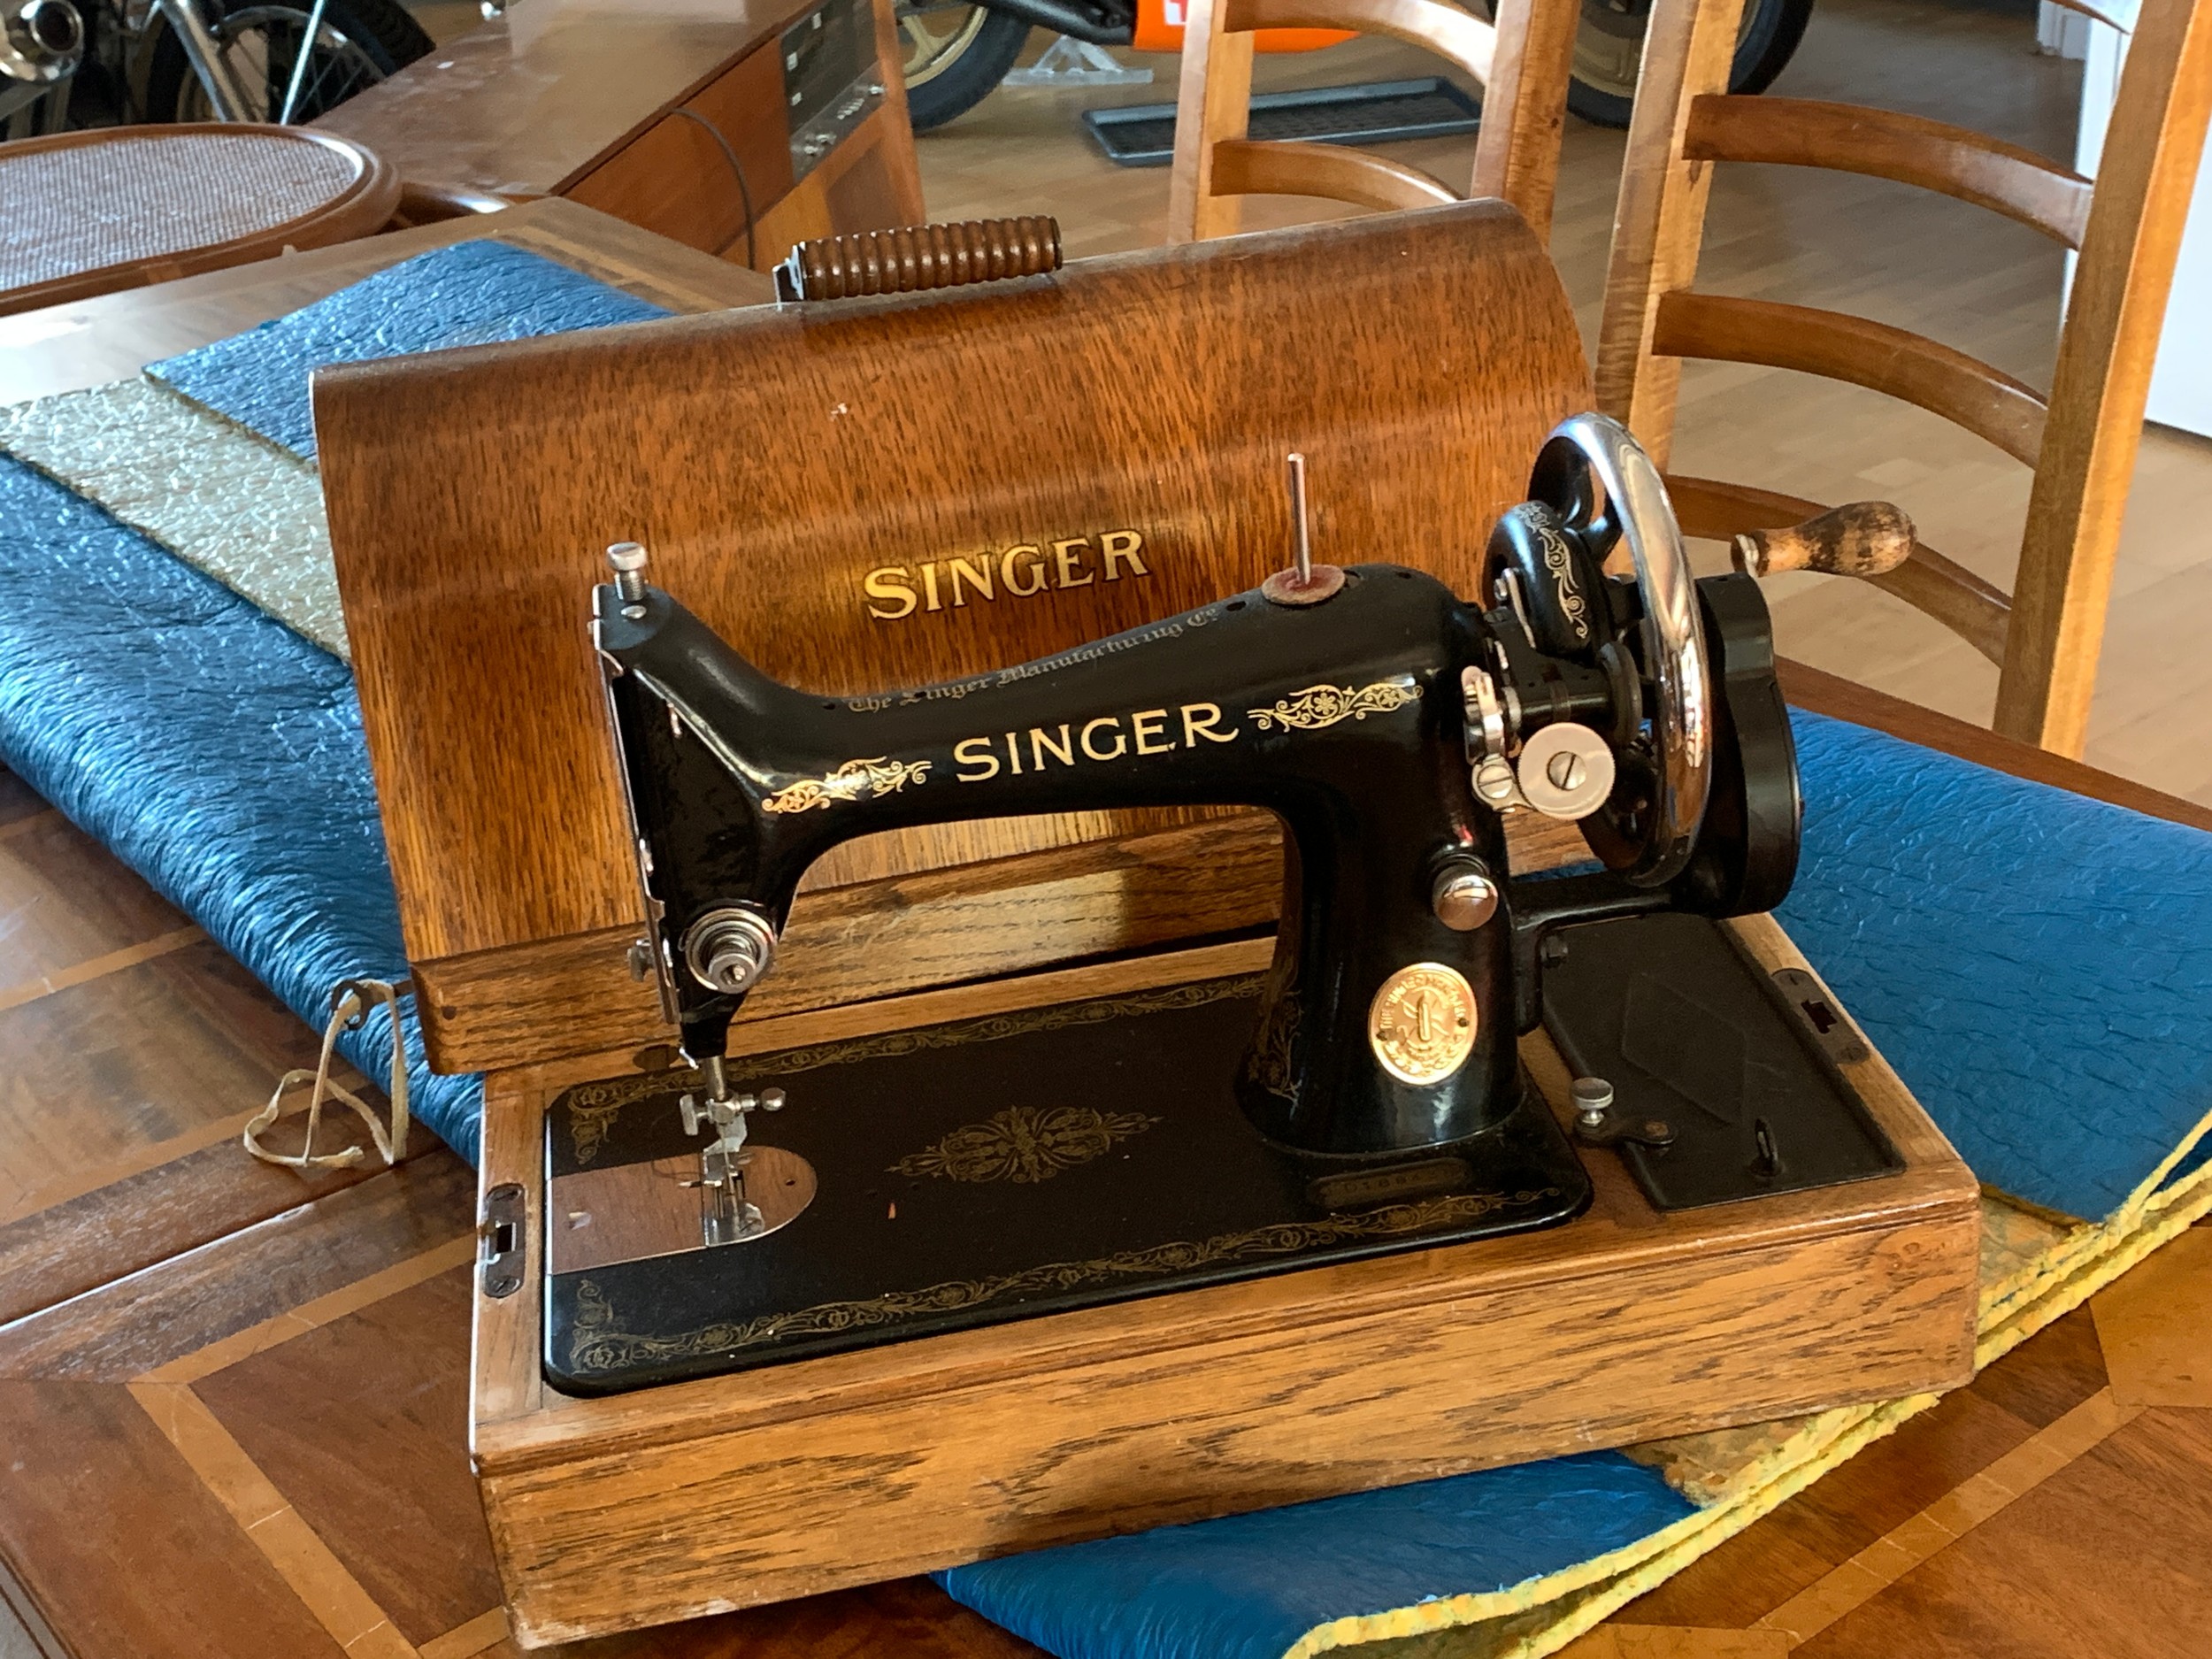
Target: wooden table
x,y
617,104
92,341
233,1404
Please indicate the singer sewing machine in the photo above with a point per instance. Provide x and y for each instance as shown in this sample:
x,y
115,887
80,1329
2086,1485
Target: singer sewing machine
x,y
1365,1094
1376,1063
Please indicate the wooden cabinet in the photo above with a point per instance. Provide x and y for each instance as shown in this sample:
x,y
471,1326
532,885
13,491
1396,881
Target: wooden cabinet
x,y
694,127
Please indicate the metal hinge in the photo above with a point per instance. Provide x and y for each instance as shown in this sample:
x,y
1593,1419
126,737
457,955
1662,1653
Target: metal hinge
x,y
502,1229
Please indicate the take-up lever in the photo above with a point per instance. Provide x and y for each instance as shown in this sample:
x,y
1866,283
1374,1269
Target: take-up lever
x,y
1303,582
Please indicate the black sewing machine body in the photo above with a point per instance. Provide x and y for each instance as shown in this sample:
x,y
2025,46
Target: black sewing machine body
x,y
1366,1094
1219,706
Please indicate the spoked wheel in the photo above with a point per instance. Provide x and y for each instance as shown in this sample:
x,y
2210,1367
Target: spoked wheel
x,y
1609,50
954,55
358,44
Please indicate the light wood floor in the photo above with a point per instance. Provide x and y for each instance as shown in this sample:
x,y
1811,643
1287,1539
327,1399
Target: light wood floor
x,y
1939,268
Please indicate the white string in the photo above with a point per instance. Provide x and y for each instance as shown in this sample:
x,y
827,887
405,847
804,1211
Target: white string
x,y
349,1007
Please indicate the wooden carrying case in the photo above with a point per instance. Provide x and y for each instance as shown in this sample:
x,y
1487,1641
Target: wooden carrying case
x,y
1032,464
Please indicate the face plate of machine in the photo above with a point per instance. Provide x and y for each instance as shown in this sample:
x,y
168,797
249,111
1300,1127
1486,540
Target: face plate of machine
x,y
979,1172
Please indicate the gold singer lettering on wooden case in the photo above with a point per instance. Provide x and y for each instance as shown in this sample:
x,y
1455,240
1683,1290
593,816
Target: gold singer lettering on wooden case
x,y
892,593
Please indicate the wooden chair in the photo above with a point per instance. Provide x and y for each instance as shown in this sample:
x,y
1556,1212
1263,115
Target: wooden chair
x,y
1522,61
2081,441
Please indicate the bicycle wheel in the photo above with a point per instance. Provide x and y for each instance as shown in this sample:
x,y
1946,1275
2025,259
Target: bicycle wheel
x,y
358,44
954,55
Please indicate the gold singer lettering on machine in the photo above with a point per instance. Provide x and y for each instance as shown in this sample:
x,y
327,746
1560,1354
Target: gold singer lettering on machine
x,y
1110,737
894,592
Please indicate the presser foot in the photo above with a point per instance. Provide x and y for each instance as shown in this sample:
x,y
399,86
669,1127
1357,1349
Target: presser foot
x,y
727,1216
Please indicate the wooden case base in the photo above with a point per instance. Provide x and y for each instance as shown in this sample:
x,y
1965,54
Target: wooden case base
x,y
1624,1326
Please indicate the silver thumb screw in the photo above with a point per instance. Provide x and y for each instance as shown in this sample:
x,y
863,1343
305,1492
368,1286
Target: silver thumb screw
x,y
1593,1098
627,559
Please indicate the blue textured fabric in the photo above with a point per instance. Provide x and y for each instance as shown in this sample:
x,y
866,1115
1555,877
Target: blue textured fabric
x,y
2038,966
468,293
1247,1586
216,752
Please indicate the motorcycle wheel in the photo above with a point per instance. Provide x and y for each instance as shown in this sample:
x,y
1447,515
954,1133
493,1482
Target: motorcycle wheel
x,y
954,55
1609,50
360,43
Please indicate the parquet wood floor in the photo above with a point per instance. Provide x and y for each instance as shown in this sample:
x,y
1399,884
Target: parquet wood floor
x,y
1965,276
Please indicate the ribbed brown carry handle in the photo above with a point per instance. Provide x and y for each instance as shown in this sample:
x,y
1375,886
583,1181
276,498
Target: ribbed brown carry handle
x,y
918,256
1866,538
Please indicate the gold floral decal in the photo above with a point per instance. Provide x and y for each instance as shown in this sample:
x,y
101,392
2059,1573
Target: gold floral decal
x,y
597,1345
854,780
590,1107
1324,705
589,1126
1023,1145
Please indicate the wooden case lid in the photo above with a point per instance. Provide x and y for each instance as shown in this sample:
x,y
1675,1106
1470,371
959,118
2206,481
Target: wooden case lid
x,y
810,478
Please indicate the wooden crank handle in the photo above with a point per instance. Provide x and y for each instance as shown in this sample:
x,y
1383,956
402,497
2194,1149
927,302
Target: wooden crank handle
x,y
1865,538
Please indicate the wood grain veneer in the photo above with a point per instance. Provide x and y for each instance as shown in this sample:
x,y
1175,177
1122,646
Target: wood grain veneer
x,y
673,178
923,1453
533,105
774,458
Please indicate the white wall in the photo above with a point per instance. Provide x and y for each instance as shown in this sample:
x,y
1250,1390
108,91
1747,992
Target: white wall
x,y
2181,385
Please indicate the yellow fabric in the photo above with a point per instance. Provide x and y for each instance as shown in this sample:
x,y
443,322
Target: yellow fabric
x,y
2035,1268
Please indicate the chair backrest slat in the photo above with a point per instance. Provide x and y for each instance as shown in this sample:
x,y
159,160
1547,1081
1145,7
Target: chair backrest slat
x,y
1452,33
1458,37
1988,401
1883,145
1244,168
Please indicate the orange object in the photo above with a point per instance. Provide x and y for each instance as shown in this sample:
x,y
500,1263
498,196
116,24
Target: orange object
x,y
1160,30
